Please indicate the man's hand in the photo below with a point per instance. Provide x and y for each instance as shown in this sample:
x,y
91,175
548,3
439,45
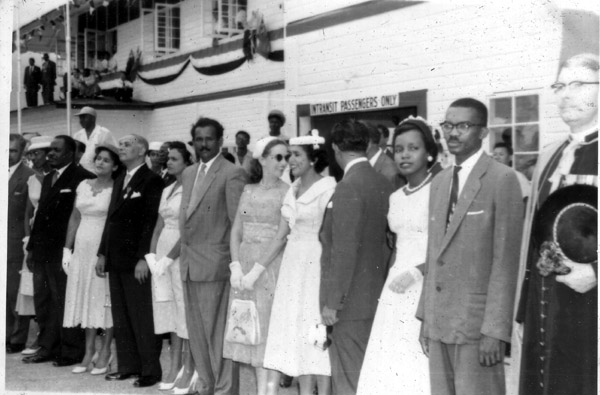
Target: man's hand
x,y
100,263
581,279
29,262
141,271
491,351
329,316
424,341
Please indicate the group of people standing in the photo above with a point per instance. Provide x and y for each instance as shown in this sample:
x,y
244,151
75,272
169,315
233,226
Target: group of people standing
x,y
355,286
34,77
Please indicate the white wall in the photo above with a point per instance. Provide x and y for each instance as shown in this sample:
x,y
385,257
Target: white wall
x,y
452,51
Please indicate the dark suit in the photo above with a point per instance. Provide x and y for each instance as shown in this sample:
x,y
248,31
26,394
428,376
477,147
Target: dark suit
x,y
389,169
48,81
126,239
470,275
353,267
17,327
32,81
46,243
204,261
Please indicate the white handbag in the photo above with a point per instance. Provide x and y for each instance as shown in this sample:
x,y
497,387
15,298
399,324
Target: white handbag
x,y
243,325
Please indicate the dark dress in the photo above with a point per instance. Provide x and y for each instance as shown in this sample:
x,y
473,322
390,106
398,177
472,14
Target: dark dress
x,y
560,325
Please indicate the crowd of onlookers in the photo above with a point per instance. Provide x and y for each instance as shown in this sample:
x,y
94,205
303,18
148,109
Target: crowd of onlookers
x,y
404,275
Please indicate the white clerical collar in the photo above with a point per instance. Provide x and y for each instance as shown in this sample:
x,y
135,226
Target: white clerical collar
x,y
584,137
375,157
353,162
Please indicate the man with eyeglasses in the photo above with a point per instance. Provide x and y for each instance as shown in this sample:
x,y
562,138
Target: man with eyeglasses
x,y
559,308
476,214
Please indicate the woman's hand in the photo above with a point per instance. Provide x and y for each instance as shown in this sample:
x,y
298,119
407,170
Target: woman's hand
x,y
66,259
249,279
236,275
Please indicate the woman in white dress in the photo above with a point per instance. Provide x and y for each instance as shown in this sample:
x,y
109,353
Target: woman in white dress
x,y
87,295
290,348
394,361
167,287
37,151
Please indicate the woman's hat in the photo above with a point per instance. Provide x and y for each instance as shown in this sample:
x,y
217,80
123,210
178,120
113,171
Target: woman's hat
x,y
312,138
259,147
109,147
40,142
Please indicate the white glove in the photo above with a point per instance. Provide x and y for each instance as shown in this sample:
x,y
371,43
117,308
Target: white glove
x,y
25,242
162,265
581,279
151,261
236,275
66,259
253,275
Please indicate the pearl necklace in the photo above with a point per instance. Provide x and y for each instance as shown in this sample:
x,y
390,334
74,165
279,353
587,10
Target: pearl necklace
x,y
411,190
266,187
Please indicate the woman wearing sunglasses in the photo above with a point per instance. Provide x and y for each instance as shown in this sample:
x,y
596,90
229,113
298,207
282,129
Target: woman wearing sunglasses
x,y
254,228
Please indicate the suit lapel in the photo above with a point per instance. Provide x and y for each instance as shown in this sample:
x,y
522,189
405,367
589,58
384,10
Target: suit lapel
x,y
14,180
208,179
137,178
465,199
63,180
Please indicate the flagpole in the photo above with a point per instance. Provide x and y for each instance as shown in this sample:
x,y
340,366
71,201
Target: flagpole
x,y
68,50
20,81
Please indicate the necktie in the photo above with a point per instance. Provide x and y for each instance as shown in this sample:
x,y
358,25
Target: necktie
x,y
127,179
54,177
196,190
453,194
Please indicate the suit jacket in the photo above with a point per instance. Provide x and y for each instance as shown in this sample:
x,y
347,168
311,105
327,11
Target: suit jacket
x,y
353,235
49,73
32,79
49,230
471,268
205,232
389,169
131,218
17,201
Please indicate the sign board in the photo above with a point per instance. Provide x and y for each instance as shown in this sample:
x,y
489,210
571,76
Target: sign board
x,y
357,104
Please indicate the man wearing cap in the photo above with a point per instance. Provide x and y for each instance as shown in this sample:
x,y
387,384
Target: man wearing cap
x,y
17,326
44,258
276,121
91,135
48,79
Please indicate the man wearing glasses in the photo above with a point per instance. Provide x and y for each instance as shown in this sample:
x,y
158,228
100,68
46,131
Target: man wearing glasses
x,y
559,309
476,216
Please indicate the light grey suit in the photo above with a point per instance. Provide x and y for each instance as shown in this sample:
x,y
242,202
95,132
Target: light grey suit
x,y
204,262
470,275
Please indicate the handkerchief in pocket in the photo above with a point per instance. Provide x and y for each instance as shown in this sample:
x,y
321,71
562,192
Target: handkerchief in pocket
x,y
330,204
135,195
65,191
475,212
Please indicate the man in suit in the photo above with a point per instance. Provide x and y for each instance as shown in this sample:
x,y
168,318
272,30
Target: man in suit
x,y
125,241
17,327
353,265
48,79
44,257
33,77
382,163
476,215
559,312
211,192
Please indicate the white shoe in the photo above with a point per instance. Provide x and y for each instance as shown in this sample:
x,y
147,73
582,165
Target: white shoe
x,y
104,370
79,369
190,388
169,386
30,351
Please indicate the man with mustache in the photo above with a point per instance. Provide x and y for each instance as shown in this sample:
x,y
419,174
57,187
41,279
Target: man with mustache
x,y
476,213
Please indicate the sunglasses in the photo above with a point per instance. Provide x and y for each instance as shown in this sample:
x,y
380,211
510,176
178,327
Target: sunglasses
x,y
280,157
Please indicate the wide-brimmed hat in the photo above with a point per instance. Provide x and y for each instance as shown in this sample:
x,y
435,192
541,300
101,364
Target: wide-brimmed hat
x,y
40,142
86,111
109,147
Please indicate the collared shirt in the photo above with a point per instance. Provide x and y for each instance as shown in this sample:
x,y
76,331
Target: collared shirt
x,y
61,170
466,167
208,165
375,157
353,162
581,136
100,135
130,173
245,163
12,169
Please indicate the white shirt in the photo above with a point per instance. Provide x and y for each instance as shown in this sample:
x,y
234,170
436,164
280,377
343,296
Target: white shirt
x,y
12,169
61,170
100,135
375,157
353,162
524,183
465,169
131,173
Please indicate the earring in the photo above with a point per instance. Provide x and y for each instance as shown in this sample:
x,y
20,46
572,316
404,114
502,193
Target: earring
x,y
312,163
430,158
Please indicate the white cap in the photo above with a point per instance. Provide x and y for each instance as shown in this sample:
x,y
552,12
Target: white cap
x,y
40,142
312,138
86,111
155,146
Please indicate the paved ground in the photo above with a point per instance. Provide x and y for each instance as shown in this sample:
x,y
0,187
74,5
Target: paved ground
x,y
44,378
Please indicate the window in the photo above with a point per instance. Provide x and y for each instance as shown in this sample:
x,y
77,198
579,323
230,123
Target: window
x,y
516,120
225,17
167,28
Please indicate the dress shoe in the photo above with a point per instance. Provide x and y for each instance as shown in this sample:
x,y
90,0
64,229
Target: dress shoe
x,y
97,371
30,350
190,389
37,358
65,361
121,376
14,348
286,381
146,381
